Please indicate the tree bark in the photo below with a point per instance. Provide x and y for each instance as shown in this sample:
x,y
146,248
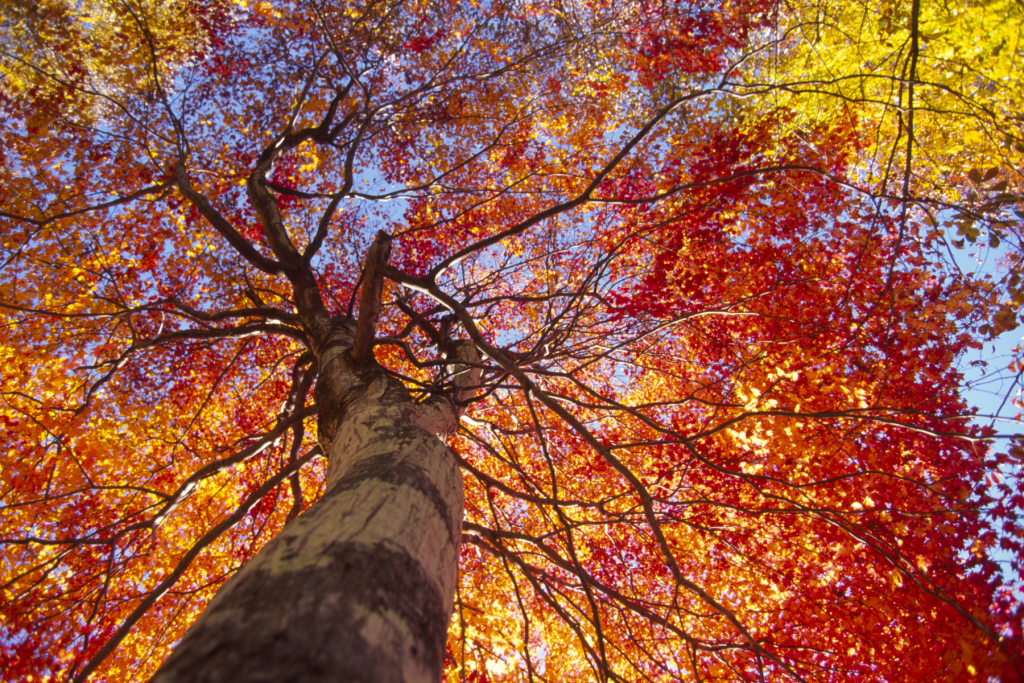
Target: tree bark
x,y
360,587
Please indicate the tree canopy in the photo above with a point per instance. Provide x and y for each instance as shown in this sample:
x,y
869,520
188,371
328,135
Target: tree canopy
x,y
712,255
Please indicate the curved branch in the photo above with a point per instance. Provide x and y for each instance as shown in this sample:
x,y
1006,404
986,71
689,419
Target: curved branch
x,y
240,244
152,189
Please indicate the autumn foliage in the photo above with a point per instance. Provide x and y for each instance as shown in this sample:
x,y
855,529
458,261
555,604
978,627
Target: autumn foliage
x,y
711,252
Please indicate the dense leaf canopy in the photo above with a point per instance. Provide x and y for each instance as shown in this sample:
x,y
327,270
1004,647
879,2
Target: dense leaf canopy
x,y
713,253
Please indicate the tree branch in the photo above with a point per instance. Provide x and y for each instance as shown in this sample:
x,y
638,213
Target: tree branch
x,y
221,224
370,301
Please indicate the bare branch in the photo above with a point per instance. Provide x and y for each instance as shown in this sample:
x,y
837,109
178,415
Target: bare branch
x,y
370,301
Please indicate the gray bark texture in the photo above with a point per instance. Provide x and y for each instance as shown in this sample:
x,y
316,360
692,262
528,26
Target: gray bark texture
x,y
361,586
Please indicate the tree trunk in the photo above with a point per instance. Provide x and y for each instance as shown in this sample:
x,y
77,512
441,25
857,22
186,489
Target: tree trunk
x,y
360,587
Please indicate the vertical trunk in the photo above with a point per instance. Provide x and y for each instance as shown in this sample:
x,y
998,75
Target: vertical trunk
x,y
360,587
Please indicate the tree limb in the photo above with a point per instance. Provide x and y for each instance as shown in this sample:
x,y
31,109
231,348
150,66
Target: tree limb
x,y
370,300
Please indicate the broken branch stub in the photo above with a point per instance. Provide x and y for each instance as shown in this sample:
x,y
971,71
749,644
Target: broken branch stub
x,y
370,299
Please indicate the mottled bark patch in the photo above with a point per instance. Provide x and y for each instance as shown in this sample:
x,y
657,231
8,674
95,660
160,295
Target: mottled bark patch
x,y
401,474
361,614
